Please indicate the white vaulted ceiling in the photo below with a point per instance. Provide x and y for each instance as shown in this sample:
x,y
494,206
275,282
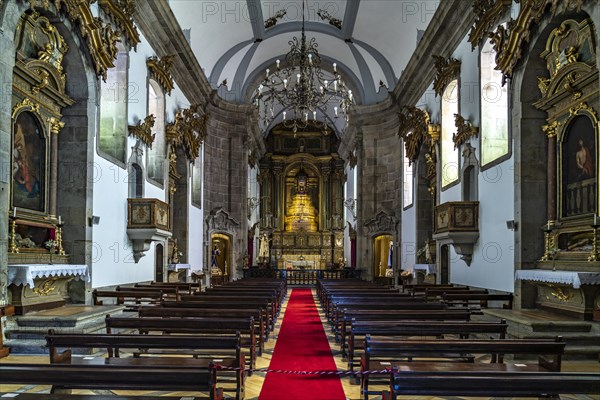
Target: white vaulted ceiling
x,y
373,45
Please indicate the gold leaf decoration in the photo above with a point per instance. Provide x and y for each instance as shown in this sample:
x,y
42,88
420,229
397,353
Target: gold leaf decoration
x,y
143,130
25,104
100,37
413,130
160,70
447,70
188,131
488,12
121,11
551,129
465,130
55,125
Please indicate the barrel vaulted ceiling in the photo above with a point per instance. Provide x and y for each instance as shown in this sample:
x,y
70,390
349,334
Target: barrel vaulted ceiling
x,y
371,46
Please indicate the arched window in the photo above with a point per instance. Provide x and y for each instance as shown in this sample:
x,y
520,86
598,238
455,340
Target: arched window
x,y
112,141
155,159
469,184
450,160
407,181
494,108
136,181
197,179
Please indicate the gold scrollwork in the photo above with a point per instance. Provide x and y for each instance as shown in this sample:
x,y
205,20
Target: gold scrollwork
x,y
551,129
26,103
160,69
583,107
46,287
560,293
465,131
121,11
143,130
188,131
413,130
488,12
448,69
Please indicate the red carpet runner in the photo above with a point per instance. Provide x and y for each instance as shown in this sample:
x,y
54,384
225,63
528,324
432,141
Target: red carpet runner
x,y
302,346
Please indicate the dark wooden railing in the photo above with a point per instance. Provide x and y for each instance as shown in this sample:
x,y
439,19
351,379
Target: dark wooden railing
x,y
301,277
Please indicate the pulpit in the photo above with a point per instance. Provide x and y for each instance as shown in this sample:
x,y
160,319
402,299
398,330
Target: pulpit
x,y
41,286
563,291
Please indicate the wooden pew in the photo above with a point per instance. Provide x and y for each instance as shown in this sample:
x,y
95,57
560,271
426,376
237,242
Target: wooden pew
x,y
360,329
383,353
481,299
204,351
215,327
55,396
495,382
131,298
103,377
410,303
259,315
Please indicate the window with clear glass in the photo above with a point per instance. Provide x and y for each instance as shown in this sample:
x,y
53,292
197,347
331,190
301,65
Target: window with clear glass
x,y
113,109
450,154
494,108
197,181
156,155
407,181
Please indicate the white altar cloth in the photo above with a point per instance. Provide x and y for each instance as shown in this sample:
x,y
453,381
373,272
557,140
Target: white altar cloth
x,y
26,273
177,267
573,278
428,268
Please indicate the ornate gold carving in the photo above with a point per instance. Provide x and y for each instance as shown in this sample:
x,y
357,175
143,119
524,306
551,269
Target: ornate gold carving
x,y
447,71
188,131
559,293
160,69
55,125
551,129
26,103
121,12
543,84
413,130
510,44
465,130
99,36
143,130
434,131
583,107
325,16
488,12
54,50
43,75
270,22
46,287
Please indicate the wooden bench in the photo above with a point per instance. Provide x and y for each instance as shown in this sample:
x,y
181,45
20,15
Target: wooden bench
x,y
381,353
56,396
360,329
495,382
131,298
219,327
342,327
205,351
415,304
65,376
482,299
259,315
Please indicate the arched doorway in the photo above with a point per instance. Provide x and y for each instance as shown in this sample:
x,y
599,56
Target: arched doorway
x,y
220,259
159,263
383,256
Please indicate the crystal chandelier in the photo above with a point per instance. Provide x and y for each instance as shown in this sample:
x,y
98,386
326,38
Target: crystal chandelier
x,y
300,89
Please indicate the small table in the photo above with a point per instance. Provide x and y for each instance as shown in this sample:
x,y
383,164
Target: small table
x,y
40,286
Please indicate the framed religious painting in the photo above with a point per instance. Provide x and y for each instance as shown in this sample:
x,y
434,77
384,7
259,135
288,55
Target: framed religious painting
x,y
579,168
29,163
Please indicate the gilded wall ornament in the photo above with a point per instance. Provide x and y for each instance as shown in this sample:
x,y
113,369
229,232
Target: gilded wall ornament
x,y
121,12
25,104
488,12
143,130
465,130
448,69
188,131
160,69
325,16
271,22
100,37
551,129
413,130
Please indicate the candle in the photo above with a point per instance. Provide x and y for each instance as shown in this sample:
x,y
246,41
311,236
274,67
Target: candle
x,y
59,220
548,225
14,212
595,219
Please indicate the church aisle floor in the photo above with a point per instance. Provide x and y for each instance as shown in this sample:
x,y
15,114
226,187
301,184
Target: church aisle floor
x,y
255,382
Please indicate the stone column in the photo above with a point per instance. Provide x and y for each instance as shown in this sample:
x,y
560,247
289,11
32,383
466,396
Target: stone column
x,y
551,175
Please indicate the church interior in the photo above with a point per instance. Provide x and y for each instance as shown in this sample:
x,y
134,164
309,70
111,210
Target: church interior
x,y
265,182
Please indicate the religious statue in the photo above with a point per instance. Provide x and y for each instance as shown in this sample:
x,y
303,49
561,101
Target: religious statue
x,y
215,253
263,248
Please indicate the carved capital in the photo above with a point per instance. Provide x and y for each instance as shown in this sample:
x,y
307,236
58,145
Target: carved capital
x,y
465,130
160,70
143,130
447,70
55,125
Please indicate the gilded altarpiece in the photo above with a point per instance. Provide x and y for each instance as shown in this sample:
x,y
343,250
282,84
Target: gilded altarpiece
x,y
570,93
302,181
